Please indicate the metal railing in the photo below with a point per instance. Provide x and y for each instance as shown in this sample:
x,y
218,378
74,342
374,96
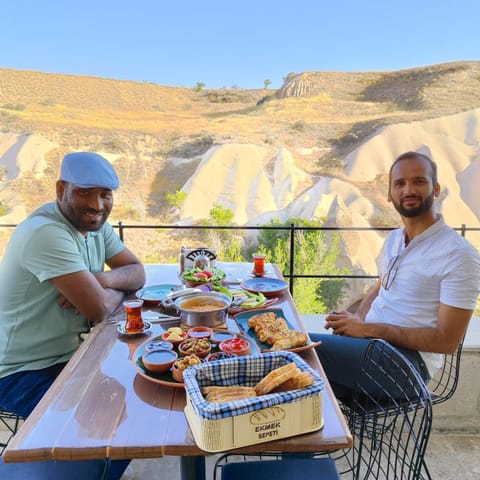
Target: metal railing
x,y
290,274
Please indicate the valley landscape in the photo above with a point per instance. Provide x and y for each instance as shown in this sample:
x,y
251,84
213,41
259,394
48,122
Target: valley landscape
x,y
319,148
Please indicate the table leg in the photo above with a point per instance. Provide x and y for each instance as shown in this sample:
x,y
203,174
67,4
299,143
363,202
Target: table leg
x,y
192,468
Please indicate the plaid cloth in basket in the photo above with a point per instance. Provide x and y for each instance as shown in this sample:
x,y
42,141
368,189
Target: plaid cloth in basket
x,y
244,371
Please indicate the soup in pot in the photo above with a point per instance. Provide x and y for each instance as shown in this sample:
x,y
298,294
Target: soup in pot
x,y
196,305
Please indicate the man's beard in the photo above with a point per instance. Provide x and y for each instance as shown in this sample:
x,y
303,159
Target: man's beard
x,y
425,206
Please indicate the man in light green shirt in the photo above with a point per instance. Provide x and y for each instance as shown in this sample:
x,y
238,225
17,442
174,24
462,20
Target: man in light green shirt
x,y
35,331
54,285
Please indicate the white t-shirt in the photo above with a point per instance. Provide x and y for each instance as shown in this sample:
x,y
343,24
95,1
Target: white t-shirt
x,y
438,266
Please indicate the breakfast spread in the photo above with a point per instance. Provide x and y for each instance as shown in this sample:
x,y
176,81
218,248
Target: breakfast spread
x,y
264,328
274,331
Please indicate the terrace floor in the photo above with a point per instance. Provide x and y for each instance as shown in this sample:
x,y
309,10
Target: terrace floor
x,y
449,457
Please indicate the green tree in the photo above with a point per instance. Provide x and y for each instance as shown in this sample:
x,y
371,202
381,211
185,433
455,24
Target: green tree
x,y
267,83
227,243
4,209
176,199
315,253
199,86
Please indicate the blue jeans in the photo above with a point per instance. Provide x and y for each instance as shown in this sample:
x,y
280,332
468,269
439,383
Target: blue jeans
x,y
20,392
341,358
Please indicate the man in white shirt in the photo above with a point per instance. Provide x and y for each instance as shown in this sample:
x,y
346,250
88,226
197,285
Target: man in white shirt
x,y
427,290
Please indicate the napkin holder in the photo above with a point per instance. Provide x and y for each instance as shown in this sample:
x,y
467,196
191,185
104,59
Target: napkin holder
x,y
188,255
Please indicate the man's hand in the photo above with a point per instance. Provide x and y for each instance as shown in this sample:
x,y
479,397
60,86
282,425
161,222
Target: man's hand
x,y
96,295
65,303
345,323
442,338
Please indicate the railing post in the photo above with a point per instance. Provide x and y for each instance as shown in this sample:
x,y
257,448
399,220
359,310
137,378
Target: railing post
x,y
292,256
463,230
120,230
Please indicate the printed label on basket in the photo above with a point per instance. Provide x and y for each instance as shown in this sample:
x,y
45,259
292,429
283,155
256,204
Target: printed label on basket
x,y
267,423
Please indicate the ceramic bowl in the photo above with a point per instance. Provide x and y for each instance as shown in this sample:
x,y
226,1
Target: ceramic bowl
x,y
177,374
215,275
200,332
238,346
183,363
174,337
198,346
192,284
158,344
219,356
219,336
160,360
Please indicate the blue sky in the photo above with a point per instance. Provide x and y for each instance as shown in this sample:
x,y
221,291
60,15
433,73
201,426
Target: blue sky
x,y
233,44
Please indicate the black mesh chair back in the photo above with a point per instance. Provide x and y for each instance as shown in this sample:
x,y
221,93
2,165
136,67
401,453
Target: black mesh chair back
x,y
391,420
444,383
9,423
391,416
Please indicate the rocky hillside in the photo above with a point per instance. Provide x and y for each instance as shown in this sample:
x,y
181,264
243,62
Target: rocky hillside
x,y
318,147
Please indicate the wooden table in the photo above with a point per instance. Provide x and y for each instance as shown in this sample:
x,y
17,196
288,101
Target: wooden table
x,y
100,408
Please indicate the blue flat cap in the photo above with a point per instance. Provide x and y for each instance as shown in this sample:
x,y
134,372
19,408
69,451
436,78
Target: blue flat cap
x,y
89,170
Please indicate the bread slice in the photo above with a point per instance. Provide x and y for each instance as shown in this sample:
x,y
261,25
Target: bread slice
x,y
301,380
218,394
276,377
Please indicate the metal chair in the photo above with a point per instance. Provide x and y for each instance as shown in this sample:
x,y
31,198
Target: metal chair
x,y
11,421
390,423
444,383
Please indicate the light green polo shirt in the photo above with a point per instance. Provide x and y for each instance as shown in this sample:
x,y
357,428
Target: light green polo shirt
x,y
35,332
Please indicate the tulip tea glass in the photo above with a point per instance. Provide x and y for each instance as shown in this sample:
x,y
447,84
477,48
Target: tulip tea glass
x,y
134,322
258,264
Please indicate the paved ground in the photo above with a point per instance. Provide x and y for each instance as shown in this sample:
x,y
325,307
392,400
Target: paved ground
x,y
449,457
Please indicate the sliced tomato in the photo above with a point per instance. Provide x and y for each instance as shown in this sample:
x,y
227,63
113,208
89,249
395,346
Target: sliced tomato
x,y
200,275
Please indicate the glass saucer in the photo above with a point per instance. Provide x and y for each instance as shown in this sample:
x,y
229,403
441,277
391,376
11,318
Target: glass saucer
x,y
121,330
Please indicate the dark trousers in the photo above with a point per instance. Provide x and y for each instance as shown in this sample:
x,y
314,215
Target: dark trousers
x,y
342,356
20,392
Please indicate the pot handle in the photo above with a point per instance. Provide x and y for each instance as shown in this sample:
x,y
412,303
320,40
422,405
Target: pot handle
x,y
169,299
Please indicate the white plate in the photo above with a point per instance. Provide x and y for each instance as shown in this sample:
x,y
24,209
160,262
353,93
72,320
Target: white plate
x,y
121,330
